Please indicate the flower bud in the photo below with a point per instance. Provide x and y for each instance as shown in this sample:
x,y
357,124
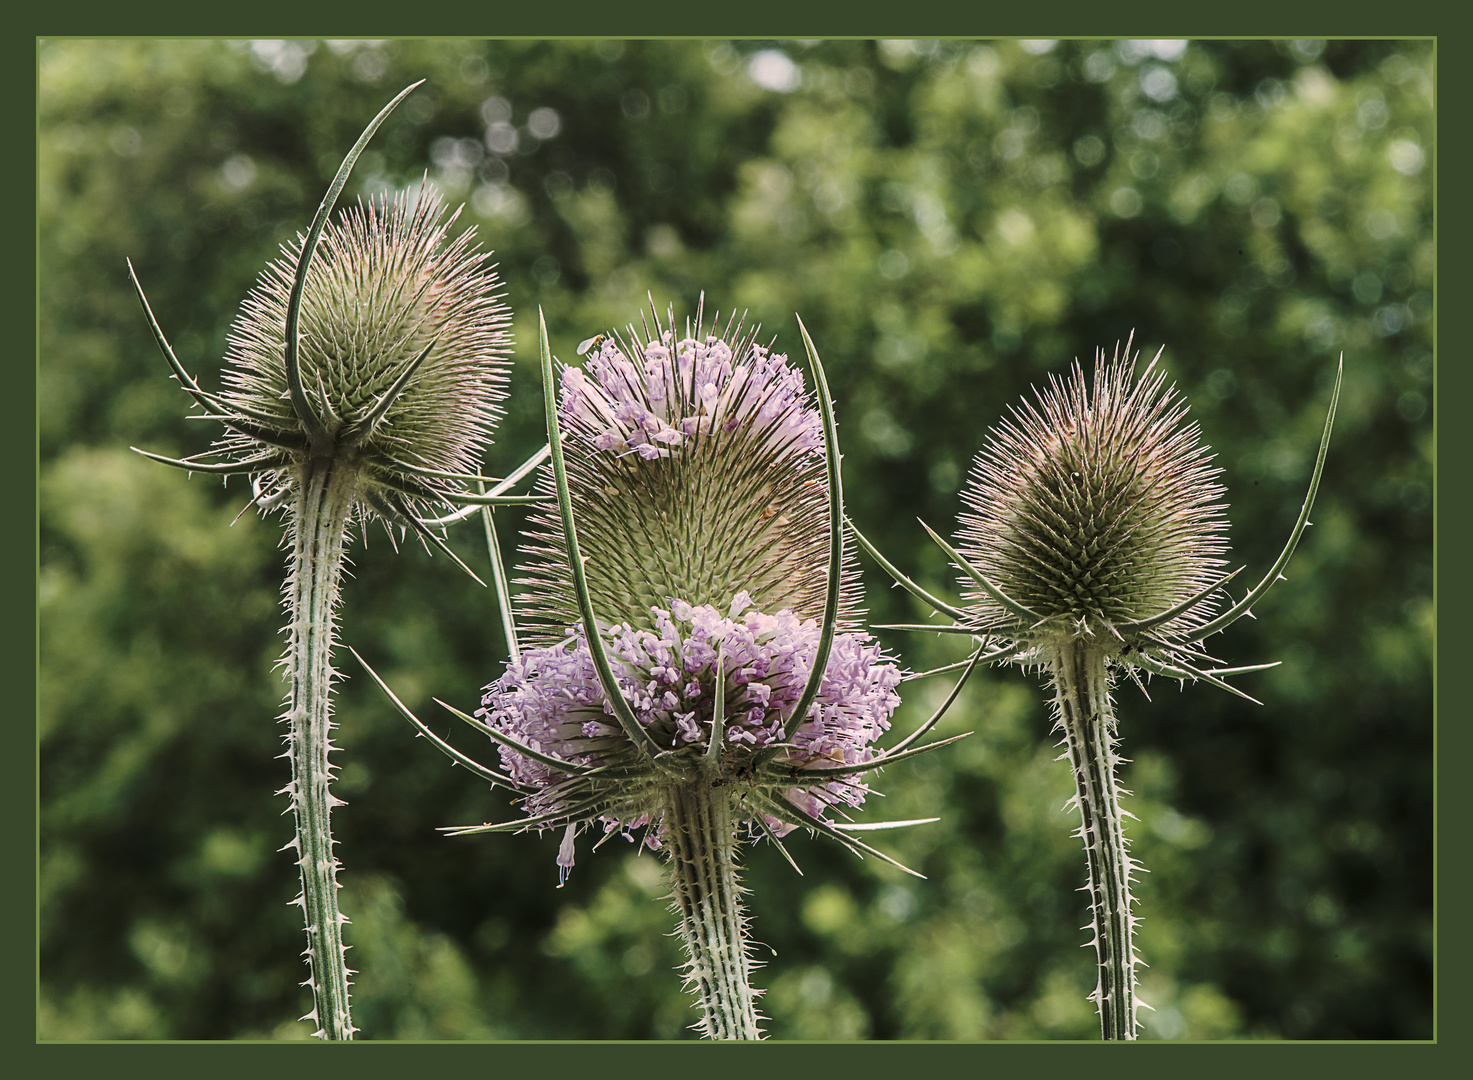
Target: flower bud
x,y
1094,509
386,282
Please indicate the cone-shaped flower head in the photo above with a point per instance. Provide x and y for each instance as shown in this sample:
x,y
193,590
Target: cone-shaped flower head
x,y
1095,510
696,473
403,338
1092,545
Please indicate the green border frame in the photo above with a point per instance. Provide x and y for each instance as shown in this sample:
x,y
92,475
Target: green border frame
x,y
757,18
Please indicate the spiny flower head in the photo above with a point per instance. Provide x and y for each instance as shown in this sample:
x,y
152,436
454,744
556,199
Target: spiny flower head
x,y
697,476
402,352
1095,510
696,468
550,700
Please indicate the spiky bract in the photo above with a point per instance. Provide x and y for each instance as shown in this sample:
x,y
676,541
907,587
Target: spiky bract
x,y
695,466
387,281
1095,510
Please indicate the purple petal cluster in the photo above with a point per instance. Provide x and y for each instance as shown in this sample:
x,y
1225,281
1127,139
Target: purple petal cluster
x,y
550,699
672,391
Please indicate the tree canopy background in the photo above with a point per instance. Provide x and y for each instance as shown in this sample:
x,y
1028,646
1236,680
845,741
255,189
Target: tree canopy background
x,y
955,221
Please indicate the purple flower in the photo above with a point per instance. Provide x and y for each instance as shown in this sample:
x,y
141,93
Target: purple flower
x,y
697,475
650,399
549,700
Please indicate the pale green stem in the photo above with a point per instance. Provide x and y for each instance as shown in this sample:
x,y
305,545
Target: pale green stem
x,y
1087,720
702,864
319,523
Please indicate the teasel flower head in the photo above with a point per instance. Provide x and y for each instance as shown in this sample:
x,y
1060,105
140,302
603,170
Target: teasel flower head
x,y
400,364
695,665
1095,517
698,469
1094,509
378,342
1092,546
403,347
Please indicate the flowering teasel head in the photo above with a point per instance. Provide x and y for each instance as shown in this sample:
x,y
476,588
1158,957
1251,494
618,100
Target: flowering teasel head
x,y
699,624
377,342
1092,545
696,664
363,377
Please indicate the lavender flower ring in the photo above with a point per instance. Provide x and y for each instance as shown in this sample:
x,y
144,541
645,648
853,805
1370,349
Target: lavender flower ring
x,y
550,700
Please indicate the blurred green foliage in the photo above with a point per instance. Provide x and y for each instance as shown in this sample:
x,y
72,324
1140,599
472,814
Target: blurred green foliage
x,y
955,221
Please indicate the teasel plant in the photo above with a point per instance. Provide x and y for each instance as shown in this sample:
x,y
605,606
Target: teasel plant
x,y
1092,548
692,670
363,379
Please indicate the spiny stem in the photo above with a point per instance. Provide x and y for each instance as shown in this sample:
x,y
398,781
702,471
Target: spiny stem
x,y
1086,718
319,523
703,876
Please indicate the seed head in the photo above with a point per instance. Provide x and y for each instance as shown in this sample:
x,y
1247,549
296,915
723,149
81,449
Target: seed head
x,y
1095,509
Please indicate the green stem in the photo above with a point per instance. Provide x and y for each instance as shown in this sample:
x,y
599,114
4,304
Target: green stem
x,y
1087,720
703,876
320,519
